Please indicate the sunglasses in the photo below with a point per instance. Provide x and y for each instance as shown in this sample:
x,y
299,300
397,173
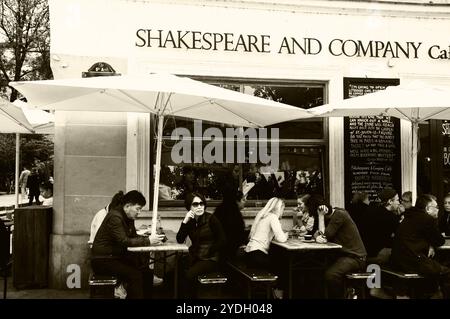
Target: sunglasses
x,y
197,204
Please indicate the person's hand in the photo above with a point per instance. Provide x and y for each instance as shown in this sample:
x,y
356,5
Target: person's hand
x,y
321,239
156,239
431,252
322,210
190,215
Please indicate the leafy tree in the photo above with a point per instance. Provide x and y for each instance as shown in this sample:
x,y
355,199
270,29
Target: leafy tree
x,y
24,43
24,55
33,147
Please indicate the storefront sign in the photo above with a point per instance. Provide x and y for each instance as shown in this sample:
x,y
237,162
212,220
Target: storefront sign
x,y
261,43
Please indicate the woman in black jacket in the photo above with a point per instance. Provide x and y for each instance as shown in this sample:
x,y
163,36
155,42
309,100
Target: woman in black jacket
x,y
116,233
230,217
207,237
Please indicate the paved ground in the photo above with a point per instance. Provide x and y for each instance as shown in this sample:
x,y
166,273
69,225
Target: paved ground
x,y
10,199
13,293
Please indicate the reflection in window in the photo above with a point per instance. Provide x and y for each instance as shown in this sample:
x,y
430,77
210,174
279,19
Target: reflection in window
x,y
301,152
299,172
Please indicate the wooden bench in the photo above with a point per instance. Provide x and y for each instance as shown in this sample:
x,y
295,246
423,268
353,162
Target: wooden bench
x,y
101,287
254,278
210,285
401,283
358,283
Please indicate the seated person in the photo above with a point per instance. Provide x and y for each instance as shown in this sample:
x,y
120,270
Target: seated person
x,y
4,244
101,214
230,217
415,242
444,217
407,200
303,221
336,225
358,208
207,237
265,228
46,189
96,223
115,235
380,225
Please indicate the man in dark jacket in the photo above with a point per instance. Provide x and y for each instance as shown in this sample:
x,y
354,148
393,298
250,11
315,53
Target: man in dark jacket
x,y
380,225
116,233
340,229
415,241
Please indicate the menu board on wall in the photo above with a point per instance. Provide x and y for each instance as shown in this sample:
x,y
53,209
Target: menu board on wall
x,y
371,145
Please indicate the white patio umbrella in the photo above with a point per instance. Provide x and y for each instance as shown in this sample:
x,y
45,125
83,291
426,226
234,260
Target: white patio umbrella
x,y
160,94
13,120
415,102
19,118
41,121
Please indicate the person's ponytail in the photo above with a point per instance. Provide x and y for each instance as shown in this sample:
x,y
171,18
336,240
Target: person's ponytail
x,y
117,200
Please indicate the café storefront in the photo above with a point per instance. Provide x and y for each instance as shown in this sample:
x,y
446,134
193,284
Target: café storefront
x,y
304,54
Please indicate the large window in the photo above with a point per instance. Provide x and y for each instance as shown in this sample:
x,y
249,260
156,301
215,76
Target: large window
x,y
301,147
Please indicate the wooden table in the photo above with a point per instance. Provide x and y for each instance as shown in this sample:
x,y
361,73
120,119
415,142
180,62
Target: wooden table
x,y
169,248
303,255
446,245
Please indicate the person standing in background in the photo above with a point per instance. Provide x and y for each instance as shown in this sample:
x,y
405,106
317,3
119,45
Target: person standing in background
x,y
33,183
23,181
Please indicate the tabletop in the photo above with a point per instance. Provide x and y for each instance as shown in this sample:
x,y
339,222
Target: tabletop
x,y
170,245
446,246
301,244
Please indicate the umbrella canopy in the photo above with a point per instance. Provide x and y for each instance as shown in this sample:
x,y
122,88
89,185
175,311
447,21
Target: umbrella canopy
x,y
12,119
415,102
184,97
41,121
161,94
19,118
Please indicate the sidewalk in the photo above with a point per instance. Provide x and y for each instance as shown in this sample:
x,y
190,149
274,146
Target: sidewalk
x,y
10,199
13,293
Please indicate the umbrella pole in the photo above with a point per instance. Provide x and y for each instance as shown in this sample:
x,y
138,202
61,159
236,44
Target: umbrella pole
x,y
16,180
157,172
415,129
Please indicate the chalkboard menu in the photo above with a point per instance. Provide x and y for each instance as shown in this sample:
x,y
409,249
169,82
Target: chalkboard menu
x,y
371,145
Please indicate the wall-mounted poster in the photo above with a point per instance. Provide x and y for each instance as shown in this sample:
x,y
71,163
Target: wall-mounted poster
x,y
371,146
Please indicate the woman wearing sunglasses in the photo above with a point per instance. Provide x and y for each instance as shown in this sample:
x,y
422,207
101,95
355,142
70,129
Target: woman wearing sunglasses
x,y
207,237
